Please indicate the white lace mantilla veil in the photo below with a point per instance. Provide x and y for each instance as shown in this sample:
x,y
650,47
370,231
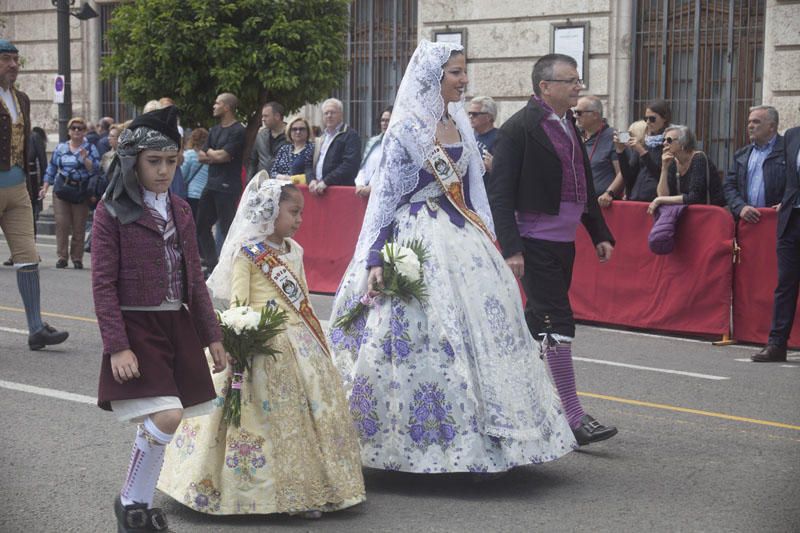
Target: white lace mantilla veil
x,y
253,222
410,139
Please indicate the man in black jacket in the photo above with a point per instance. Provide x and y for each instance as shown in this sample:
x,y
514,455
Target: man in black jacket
x,y
788,250
337,153
541,189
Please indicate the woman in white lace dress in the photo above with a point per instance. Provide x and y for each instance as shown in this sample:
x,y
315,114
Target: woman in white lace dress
x,y
456,384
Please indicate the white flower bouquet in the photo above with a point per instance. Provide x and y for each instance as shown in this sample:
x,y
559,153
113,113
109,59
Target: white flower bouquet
x,y
246,333
402,278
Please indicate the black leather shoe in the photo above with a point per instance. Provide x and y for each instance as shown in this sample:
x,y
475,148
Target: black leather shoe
x,y
61,263
132,518
158,520
78,265
46,336
771,353
591,431
8,262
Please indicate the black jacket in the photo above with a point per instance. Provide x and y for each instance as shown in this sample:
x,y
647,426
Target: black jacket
x,y
342,160
774,177
791,195
641,173
526,176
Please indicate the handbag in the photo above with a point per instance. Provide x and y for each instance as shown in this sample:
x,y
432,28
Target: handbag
x,y
662,235
71,189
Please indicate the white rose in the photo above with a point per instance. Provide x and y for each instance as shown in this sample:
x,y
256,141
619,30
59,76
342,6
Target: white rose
x,y
251,320
409,266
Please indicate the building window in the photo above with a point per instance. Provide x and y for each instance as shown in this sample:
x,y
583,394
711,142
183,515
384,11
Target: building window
x,y
381,39
706,58
110,103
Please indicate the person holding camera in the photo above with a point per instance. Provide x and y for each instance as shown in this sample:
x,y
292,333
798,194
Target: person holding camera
x,y
73,164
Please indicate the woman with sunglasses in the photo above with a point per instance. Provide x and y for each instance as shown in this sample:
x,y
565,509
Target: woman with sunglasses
x,y
641,162
687,175
73,163
292,157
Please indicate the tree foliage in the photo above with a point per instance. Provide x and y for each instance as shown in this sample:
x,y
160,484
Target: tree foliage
x,y
291,51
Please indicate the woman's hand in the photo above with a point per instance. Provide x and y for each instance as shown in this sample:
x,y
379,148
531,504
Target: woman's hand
x,y
363,190
124,366
219,355
651,209
667,157
635,145
374,281
619,147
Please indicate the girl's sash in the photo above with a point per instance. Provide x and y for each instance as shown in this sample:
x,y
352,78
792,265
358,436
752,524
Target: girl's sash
x,y
446,174
288,285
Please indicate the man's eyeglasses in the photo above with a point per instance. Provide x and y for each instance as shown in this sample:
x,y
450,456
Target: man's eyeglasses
x,y
650,118
579,112
473,114
77,128
571,81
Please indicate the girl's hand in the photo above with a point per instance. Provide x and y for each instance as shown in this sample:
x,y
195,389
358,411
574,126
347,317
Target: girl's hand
x,y
374,281
124,366
219,355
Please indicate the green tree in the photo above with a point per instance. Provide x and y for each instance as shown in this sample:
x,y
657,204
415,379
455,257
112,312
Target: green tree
x,y
291,51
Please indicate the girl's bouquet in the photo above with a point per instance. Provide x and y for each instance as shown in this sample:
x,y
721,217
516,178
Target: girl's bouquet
x,y
402,278
245,333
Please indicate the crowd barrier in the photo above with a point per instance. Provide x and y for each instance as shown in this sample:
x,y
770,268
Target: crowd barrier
x,y
328,235
756,275
687,291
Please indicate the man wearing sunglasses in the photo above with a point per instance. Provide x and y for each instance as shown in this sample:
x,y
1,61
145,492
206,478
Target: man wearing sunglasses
x,y
541,189
598,138
16,192
482,113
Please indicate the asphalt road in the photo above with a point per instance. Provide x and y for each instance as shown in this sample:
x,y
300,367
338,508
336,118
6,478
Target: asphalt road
x,y
707,441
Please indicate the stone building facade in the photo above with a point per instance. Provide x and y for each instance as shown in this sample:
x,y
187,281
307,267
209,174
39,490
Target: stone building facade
x,y
503,40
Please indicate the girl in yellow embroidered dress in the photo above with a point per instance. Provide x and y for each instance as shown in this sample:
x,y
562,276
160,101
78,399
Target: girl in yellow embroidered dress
x,y
296,450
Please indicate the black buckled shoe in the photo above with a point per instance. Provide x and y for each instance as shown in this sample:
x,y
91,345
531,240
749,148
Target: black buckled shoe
x,y
158,520
47,336
591,431
131,518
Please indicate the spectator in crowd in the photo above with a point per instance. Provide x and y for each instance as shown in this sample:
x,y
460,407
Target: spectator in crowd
x,y
641,162
91,133
758,175
598,138
336,153
16,190
223,155
108,156
292,159
151,105
372,156
541,189
103,127
482,112
73,163
194,172
687,175
272,135
788,249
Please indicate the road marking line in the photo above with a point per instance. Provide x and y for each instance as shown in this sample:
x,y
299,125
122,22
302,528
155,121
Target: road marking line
x,y
56,315
651,369
52,393
690,411
14,330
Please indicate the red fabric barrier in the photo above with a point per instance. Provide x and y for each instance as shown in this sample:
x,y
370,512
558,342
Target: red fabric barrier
x,y
687,291
328,235
755,281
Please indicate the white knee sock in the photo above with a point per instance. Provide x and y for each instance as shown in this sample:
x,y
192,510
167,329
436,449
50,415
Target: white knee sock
x,y
147,457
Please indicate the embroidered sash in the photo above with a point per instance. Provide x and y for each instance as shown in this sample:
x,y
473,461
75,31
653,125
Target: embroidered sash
x,y
446,174
282,278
